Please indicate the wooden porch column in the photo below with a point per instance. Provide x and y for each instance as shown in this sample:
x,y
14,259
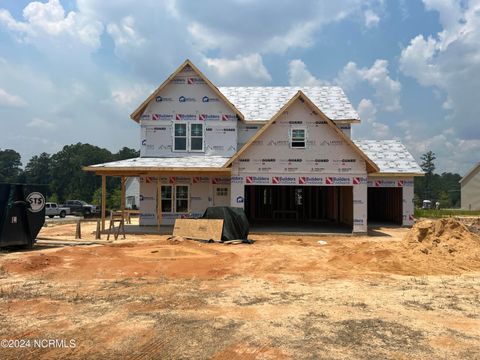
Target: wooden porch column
x,y
159,203
123,198
104,199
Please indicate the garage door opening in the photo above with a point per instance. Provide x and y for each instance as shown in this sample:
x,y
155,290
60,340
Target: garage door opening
x,y
305,208
385,205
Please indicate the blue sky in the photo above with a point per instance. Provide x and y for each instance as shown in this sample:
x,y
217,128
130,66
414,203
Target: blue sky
x,y
72,71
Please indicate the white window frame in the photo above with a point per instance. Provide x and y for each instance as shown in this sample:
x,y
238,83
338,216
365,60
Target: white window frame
x,y
186,137
171,198
190,136
188,199
304,137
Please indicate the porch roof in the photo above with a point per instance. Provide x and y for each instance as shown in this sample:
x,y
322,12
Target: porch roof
x,y
146,164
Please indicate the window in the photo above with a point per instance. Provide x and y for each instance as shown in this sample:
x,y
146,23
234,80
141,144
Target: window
x,y
297,138
166,198
196,137
180,137
221,191
181,198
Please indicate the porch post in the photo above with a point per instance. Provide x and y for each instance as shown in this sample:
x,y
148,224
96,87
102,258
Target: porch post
x,y
122,205
159,203
104,199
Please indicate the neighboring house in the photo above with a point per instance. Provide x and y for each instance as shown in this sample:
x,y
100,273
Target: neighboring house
x,y
132,193
284,154
470,189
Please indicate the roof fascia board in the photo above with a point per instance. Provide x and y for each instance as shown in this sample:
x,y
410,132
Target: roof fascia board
x,y
156,169
392,174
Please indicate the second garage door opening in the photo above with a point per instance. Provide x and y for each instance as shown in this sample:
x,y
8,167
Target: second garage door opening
x,y
385,205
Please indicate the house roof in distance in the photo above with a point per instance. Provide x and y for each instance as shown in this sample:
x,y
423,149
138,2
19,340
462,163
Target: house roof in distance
x,y
391,156
262,103
470,172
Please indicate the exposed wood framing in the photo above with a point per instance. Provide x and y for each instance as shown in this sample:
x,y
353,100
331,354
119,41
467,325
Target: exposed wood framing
x,y
397,175
136,171
104,199
159,204
122,205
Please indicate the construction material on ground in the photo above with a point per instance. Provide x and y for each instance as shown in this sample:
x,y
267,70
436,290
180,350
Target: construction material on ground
x,y
235,222
22,213
199,229
442,237
116,217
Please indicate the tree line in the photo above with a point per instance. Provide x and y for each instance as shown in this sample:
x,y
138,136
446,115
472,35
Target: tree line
x,y
62,172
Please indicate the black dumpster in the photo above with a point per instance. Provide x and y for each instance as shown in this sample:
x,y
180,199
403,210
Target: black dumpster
x,y
22,213
235,224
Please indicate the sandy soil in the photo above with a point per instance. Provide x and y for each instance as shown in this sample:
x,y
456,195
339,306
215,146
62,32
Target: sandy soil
x,y
284,297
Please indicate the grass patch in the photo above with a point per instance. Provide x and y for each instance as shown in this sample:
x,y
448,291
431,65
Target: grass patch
x,y
432,213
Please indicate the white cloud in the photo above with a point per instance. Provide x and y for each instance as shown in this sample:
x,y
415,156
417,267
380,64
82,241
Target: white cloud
x,y
370,128
130,96
298,36
387,90
125,35
367,111
299,75
450,61
246,70
262,27
49,20
371,18
453,154
41,124
7,99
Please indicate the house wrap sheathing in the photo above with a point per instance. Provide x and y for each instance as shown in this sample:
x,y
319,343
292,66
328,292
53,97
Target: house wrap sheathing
x,y
284,154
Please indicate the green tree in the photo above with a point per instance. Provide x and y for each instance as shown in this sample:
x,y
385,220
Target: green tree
x,y
68,178
10,166
38,170
444,199
126,153
428,166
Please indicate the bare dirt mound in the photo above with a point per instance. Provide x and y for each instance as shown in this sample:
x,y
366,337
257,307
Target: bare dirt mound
x,y
442,237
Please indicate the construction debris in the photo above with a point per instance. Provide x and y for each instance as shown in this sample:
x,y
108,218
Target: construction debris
x,y
444,236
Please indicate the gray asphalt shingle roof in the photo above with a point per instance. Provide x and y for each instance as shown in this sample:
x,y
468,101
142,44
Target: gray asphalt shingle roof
x,y
391,156
262,103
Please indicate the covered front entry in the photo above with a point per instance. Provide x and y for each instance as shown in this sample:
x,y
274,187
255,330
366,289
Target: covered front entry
x,y
300,206
385,205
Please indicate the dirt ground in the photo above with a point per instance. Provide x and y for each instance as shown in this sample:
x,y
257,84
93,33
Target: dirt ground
x,y
284,297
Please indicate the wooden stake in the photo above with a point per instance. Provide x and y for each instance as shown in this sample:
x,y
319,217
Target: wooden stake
x,y
97,231
78,232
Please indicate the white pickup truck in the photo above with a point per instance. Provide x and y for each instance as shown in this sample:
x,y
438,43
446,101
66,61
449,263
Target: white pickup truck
x,y
52,209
